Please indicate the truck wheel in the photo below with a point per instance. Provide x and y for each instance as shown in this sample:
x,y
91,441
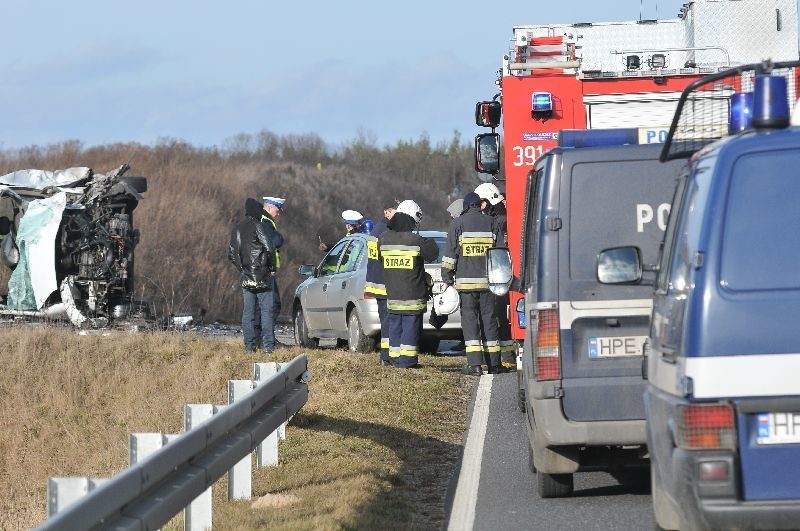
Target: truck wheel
x,y
664,513
301,336
357,339
554,485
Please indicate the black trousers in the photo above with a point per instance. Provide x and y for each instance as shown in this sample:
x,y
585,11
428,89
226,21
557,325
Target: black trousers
x,y
479,324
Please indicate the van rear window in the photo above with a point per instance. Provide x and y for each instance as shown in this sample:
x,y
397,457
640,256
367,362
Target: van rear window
x,y
761,239
617,203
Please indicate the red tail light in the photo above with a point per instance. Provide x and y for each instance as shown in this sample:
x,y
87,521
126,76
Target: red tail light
x,y
706,426
368,296
547,350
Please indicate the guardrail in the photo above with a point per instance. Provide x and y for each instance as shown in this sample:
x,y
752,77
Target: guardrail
x,y
182,468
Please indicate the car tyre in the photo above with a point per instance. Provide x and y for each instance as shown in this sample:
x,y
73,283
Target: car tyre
x,y
301,336
554,485
357,339
429,345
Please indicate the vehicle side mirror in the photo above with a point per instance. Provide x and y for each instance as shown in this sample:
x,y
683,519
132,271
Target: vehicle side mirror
x,y
619,265
498,269
306,270
487,153
487,113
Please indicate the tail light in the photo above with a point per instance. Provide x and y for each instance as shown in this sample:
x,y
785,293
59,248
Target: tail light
x,y
706,426
547,350
368,296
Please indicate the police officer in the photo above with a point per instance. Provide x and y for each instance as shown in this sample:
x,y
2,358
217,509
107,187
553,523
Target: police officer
x,y
272,211
403,255
493,203
374,286
464,266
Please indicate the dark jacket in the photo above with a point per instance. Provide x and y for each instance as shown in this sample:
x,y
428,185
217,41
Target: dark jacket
x,y
251,249
375,285
464,261
403,255
498,212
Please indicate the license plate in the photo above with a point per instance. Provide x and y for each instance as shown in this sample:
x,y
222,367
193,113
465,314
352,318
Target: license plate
x,y
778,428
616,347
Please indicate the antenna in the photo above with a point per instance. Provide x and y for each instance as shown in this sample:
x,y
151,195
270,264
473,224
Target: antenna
x,y
656,9
640,10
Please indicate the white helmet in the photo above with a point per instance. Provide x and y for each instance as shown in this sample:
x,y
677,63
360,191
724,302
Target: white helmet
x,y
412,209
446,302
489,192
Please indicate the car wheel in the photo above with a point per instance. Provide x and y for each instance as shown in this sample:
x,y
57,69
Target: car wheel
x,y
554,485
358,340
429,345
664,513
301,336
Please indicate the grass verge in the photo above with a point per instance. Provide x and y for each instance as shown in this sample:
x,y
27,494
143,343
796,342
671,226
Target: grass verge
x,y
374,447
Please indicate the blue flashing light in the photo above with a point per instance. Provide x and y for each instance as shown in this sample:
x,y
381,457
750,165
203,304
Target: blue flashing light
x,y
597,137
741,112
770,102
541,102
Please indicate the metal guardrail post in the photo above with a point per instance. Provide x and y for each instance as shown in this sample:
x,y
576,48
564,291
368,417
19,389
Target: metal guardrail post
x,y
240,477
197,516
267,451
62,491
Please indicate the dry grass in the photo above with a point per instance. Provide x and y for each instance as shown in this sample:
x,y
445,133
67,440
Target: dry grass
x,y
374,448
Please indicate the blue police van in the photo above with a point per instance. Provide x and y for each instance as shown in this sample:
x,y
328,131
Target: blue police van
x,y
723,368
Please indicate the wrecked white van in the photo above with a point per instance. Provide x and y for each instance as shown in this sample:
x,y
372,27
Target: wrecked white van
x,y
68,238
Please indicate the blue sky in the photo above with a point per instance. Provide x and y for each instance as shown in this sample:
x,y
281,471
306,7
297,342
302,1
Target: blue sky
x,y
202,71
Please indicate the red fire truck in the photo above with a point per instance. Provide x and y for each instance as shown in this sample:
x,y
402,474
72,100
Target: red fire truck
x,y
612,75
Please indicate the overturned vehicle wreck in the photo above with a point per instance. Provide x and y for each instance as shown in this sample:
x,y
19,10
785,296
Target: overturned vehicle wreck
x,y
68,238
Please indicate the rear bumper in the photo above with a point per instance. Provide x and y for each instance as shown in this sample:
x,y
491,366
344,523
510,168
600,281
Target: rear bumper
x,y
709,505
557,430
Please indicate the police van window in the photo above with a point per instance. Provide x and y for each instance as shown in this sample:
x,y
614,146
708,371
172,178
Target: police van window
x,y
441,243
666,247
760,249
613,204
689,224
352,256
530,236
330,263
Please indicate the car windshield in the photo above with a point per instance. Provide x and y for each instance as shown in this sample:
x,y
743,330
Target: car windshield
x,y
441,242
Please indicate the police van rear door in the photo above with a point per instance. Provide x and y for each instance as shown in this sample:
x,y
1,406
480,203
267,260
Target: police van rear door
x,y
610,197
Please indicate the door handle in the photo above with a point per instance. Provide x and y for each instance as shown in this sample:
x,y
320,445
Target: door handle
x,y
344,284
324,287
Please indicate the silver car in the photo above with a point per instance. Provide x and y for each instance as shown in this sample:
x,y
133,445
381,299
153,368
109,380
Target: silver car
x,y
331,304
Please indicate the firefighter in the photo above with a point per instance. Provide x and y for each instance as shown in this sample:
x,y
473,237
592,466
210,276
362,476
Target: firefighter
x,y
493,203
403,255
374,286
464,266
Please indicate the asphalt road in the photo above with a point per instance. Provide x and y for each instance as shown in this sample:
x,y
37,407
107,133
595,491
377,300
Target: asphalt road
x,y
506,492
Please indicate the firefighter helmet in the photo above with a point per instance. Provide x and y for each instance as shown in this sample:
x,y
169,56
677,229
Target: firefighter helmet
x,y
446,302
489,192
412,209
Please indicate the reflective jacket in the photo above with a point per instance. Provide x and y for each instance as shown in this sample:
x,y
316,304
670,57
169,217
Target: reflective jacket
x,y
252,252
464,261
403,255
275,236
374,285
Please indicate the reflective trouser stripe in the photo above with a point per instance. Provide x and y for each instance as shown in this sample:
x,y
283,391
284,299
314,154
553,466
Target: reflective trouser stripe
x,y
407,306
492,346
404,350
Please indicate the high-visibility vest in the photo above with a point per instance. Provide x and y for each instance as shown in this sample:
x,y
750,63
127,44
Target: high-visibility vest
x,y
277,252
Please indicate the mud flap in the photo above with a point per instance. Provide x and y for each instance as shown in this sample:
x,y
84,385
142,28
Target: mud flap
x,y
555,459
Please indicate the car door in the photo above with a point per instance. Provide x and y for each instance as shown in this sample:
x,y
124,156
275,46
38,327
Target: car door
x,y
315,304
344,284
